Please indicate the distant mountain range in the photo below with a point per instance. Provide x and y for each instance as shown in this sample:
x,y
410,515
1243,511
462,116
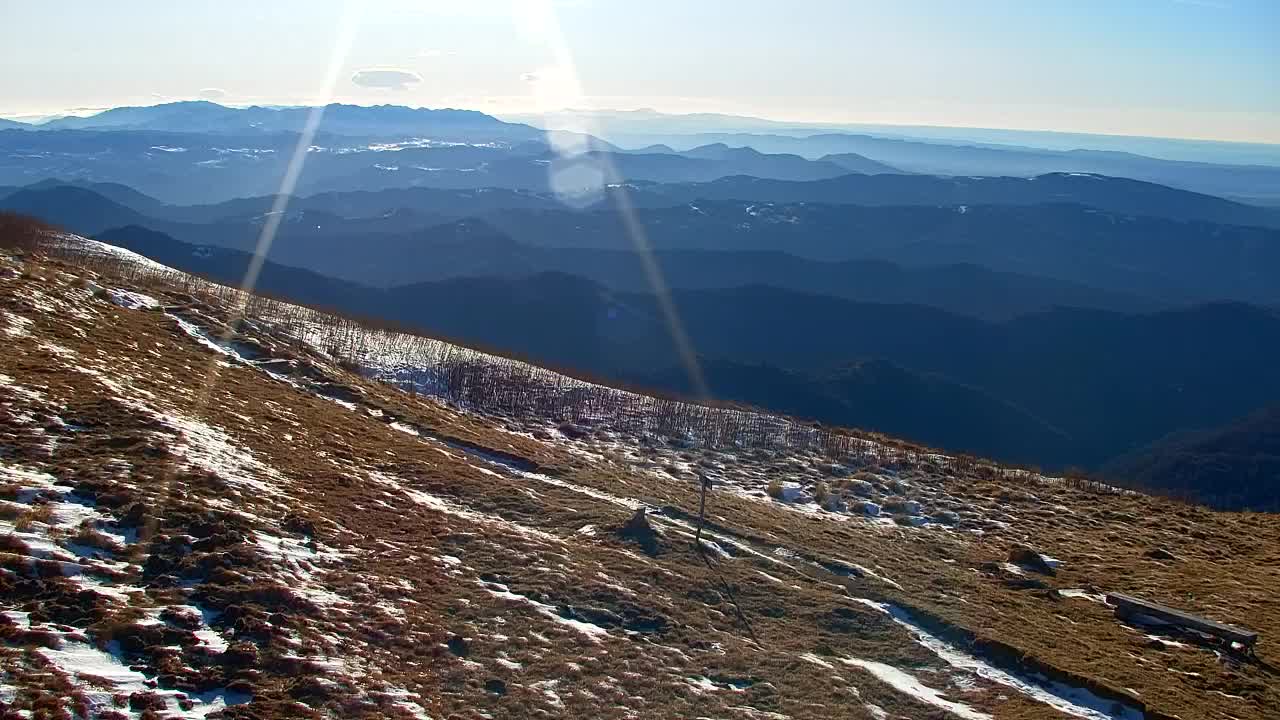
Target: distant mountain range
x,y
990,261
379,252
1119,195
754,163
389,121
632,127
1115,194
201,152
878,394
1062,319
190,168
1166,259
1251,183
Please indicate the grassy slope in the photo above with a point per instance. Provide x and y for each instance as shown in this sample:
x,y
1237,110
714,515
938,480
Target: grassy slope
x,y
409,579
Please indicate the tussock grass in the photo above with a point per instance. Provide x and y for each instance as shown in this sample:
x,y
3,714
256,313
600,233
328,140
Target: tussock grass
x,y
820,493
89,536
774,489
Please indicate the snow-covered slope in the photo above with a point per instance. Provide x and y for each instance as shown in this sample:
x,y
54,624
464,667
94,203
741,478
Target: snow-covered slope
x,y
302,517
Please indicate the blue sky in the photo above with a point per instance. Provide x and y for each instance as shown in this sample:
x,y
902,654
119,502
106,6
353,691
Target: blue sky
x,y
1179,68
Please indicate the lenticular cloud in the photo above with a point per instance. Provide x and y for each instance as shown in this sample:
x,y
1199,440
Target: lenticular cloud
x,y
387,78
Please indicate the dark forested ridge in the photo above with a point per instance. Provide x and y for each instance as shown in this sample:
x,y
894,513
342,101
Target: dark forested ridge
x,y
926,407
933,157
1067,254
1236,465
1118,381
1114,194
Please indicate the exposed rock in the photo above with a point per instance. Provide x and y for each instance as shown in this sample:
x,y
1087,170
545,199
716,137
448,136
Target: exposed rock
x,y
573,432
1025,583
900,505
1160,554
1031,560
861,487
458,646
946,517
867,508
638,530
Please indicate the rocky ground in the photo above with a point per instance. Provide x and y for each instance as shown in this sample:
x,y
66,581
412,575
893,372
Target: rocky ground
x,y
195,523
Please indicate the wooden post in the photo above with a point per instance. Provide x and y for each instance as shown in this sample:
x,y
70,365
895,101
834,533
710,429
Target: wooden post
x,y
702,509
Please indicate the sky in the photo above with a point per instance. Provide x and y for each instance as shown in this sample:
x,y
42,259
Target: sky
x,y
1167,68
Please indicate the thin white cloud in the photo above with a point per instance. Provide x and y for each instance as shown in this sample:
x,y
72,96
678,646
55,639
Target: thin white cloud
x,y
529,77
436,53
386,78
212,93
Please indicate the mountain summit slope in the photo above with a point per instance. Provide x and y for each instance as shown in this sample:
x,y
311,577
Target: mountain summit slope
x,y
206,509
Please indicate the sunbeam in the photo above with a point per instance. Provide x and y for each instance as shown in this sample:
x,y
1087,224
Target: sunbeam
x,y
341,49
559,87
342,46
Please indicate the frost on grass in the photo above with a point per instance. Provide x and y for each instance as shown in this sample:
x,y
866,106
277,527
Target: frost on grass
x,y
589,630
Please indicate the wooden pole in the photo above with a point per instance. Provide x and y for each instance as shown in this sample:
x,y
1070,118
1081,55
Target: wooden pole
x,y
702,509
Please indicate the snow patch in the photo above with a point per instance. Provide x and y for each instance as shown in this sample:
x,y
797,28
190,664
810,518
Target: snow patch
x,y
1074,701
132,300
907,684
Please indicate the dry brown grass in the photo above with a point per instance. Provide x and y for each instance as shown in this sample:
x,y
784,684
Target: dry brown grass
x,y
775,489
37,513
820,493
91,537
12,510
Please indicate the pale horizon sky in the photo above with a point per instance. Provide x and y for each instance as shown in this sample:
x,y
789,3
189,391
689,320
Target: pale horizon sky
x,y
1206,69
